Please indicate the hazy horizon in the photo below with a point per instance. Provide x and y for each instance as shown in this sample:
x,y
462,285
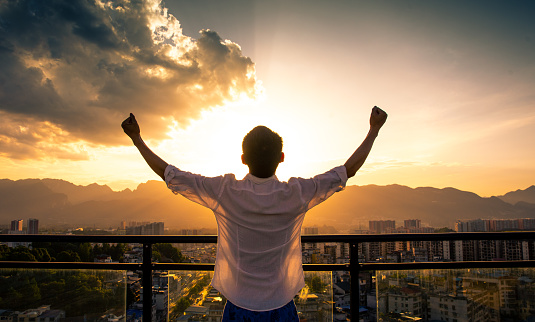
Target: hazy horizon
x,y
136,186
62,203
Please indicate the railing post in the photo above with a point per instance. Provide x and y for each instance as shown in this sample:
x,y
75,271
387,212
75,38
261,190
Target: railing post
x,y
354,270
147,282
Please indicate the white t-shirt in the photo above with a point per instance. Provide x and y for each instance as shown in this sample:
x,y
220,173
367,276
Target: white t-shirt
x,y
258,263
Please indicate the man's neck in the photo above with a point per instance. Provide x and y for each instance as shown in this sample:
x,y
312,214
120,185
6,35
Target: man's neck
x,y
262,175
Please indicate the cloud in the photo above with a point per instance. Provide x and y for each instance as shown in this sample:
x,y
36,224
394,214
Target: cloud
x,y
75,69
22,138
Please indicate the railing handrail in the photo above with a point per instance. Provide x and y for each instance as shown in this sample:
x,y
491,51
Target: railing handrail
x,y
342,238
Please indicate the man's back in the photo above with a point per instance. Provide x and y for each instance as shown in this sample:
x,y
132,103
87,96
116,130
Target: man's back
x,y
258,263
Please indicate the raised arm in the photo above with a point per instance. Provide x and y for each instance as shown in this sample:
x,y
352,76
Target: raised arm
x,y
356,160
131,128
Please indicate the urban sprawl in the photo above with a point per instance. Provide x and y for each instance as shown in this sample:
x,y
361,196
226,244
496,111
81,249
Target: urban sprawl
x,y
423,295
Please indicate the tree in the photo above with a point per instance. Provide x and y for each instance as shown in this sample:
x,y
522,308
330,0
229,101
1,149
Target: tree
x,y
156,256
169,252
4,252
77,292
444,230
117,251
68,256
316,285
85,251
12,299
21,253
54,287
30,291
42,255
180,307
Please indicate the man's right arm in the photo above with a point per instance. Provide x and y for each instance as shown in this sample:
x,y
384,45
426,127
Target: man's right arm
x,y
356,160
131,128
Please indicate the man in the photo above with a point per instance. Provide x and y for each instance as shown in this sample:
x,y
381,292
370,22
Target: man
x,y
258,263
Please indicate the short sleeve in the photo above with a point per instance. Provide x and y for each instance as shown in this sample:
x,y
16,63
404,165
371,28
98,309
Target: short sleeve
x,y
324,185
197,188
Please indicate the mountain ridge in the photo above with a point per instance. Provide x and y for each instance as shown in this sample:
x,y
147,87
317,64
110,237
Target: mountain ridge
x,y
526,195
59,202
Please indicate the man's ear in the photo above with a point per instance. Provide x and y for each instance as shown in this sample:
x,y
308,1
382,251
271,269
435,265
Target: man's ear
x,y
243,159
282,157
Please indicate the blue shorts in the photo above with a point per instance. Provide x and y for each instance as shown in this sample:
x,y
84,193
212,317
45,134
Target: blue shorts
x,y
287,313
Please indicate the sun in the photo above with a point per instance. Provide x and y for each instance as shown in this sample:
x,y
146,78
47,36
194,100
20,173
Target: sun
x,y
211,144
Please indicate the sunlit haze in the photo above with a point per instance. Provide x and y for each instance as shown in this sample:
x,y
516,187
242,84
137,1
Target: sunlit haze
x,y
456,78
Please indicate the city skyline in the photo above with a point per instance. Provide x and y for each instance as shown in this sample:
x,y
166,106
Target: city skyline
x,y
412,225
456,79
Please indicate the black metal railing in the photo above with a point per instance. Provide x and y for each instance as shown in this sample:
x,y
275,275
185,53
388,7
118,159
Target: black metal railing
x,y
353,267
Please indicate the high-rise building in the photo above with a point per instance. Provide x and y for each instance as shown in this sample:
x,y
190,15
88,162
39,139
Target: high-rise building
x,y
16,225
512,250
526,223
33,226
463,250
189,232
408,301
412,223
16,228
489,250
462,306
137,223
475,225
373,250
310,230
155,228
381,226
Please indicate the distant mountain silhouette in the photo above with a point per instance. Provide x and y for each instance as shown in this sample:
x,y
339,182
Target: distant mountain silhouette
x,y
28,198
527,195
434,207
59,202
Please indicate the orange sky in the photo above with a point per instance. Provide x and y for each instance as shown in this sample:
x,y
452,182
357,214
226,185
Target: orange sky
x,y
457,81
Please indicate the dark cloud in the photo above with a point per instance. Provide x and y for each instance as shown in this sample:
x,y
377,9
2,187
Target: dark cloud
x,y
81,66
